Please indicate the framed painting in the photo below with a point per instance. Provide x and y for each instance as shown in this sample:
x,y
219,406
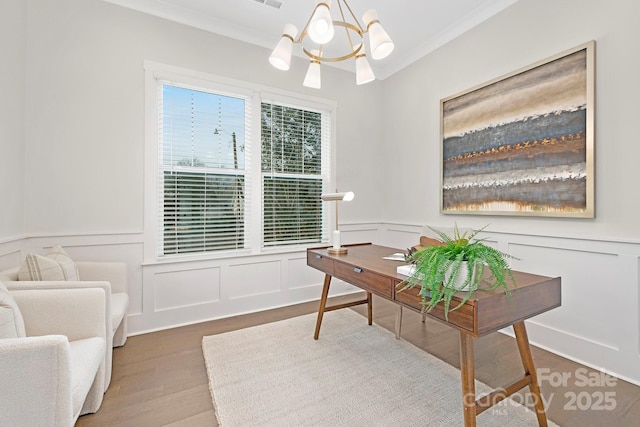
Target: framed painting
x,y
523,144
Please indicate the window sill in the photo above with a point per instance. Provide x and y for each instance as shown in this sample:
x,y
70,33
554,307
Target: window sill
x,y
245,253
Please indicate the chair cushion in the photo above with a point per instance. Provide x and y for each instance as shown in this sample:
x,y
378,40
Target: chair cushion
x,y
56,265
11,322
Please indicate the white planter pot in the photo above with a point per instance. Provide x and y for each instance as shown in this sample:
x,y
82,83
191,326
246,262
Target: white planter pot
x,y
461,275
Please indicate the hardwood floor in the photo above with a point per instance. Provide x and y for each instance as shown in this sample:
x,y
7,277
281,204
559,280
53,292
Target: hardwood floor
x,y
159,379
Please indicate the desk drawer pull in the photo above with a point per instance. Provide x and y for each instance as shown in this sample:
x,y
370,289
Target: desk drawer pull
x,y
318,256
357,270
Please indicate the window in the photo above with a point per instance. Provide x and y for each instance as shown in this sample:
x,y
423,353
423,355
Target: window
x,y
202,171
227,184
291,174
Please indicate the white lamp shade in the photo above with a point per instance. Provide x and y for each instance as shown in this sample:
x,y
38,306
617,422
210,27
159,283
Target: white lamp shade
x,y
321,25
329,197
380,44
312,79
364,73
281,55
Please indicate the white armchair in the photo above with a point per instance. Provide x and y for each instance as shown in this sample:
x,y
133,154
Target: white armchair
x,y
109,276
116,274
55,373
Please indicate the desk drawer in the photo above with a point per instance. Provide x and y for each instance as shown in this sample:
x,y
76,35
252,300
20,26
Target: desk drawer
x,y
462,317
364,279
320,262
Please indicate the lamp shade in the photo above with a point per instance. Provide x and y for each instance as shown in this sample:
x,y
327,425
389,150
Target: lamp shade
x,y
281,55
321,25
330,197
312,79
364,73
380,44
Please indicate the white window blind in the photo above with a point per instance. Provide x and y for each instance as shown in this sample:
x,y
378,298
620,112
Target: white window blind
x,y
203,156
223,183
295,146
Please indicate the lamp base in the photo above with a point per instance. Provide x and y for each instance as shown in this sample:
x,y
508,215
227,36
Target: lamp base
x,y
337,251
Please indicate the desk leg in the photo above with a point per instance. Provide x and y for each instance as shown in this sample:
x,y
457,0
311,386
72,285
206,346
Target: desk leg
x,y
323,303
530,371
467,372
370,308
398,321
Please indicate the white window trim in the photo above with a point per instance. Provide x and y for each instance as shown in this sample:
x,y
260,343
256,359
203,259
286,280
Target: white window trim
x,y
155,71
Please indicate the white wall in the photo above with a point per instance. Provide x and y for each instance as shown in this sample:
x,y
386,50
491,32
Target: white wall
x,y
85,109
598,259
12,84
79,77
83,140
528,31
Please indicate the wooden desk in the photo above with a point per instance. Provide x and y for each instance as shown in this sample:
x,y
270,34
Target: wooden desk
x,y
485,312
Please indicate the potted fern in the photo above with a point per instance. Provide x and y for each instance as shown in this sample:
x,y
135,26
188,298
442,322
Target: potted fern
x,y
456,265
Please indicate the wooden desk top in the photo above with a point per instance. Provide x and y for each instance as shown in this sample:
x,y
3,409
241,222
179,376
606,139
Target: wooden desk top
x,y
484,312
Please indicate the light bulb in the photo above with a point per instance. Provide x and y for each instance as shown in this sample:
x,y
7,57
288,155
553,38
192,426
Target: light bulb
x,y
321,25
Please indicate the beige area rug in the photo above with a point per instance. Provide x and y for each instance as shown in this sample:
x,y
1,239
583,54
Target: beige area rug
x,y
355,375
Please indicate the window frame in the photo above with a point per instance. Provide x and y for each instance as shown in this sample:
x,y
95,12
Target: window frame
x,y
155,73
203,171
324,175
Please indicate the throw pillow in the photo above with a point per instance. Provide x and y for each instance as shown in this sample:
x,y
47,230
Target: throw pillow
x,y
56,265
11,322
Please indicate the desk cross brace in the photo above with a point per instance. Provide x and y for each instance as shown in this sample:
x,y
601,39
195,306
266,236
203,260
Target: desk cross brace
x,y
323,305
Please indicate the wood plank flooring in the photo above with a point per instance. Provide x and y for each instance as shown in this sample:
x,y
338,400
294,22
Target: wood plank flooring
x,y
159,379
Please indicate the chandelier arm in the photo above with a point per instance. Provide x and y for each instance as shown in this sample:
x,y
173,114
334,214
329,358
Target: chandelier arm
x,y
346,30
351,54
335,59
362,30
305,30
375,21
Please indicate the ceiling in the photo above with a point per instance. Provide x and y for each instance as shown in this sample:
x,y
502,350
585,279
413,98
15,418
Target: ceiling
x,y
416,27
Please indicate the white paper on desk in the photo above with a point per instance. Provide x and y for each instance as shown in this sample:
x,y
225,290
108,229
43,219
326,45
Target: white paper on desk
x,y
395,257
406,270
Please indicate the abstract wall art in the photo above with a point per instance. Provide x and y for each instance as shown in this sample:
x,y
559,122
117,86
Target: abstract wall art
x,y
523,144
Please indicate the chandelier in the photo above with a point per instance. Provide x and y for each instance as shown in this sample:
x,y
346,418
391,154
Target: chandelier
x,y
349,43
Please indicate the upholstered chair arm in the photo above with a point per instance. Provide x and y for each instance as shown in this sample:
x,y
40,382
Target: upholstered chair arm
x,y
36,381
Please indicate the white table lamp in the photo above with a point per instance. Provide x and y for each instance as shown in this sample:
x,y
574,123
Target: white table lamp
x,y
337,249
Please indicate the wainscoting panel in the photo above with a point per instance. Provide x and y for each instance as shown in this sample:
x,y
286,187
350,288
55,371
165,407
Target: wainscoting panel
x,y
11,254
253,279
181,293
582,313
300,276
186,288
597,325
